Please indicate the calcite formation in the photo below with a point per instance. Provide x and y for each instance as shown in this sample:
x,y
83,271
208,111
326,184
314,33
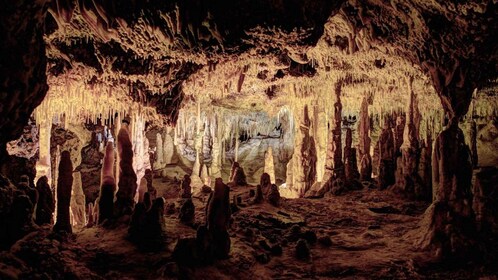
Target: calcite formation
x,y
387,154
185,188
127,184
217,219
46,204
107,185
64,186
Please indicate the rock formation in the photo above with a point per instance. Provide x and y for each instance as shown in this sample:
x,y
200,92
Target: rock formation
x,y
350,165
64,186
451,227
185,189
187,212
273,196
269,165
127,185
386,157
46,204
150,188
107,185
485,201
407,176
364,142
218,217
147,227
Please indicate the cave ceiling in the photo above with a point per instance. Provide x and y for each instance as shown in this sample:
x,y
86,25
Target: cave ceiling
x,y
255,54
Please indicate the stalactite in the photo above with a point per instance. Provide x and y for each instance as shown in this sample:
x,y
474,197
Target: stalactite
x,y
64,186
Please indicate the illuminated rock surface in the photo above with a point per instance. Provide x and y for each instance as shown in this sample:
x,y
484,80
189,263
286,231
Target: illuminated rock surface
x,y
357,139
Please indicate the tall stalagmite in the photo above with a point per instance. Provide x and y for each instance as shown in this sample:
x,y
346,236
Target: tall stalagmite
x,y
127,177
364,143
46,204
303,162
386,156
218,215
107,185
64,186
408,177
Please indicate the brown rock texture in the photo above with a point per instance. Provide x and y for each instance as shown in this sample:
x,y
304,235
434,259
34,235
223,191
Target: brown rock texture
x,y
64,187
127,178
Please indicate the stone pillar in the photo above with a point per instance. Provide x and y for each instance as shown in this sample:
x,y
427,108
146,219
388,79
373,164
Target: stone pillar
x,y
451,228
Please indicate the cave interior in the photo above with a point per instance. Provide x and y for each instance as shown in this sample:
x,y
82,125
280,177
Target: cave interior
x,y
315,139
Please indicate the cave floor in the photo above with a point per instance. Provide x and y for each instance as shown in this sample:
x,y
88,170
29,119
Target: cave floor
x,y
372,236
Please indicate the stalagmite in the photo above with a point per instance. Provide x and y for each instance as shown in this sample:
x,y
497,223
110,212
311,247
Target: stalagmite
x,y
364,143
473,142
217,218
142,189
334,167
187,212
273,196
168,147
185,189
127,177
90,216
78,201
407,176
150,188
64,186
46,204
386,156
269,165
303,160
43,165
158,163
107,185
451,217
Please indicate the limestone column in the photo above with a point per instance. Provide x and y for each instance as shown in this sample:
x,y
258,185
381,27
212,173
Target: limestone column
x,y
451,230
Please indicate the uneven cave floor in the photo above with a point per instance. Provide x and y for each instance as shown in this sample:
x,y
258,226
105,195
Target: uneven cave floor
x,y
372,233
